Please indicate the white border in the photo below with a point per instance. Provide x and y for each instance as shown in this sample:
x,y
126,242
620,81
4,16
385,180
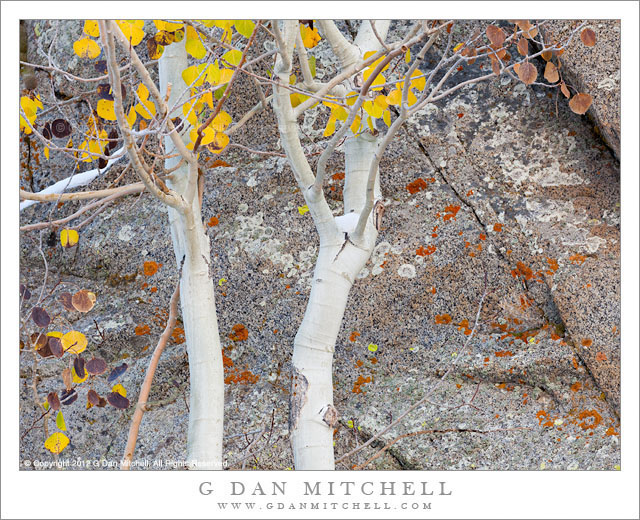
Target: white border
x,y
175,495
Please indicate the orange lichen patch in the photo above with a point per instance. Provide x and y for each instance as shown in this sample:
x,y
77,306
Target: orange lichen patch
x,y
431,179
575,363
338,176
524,271
483,236
145,348
553,265
575,387
144,285
577,259
418,185
374,360
151,268
497,227
218,162
443,319
450,212
464,326
433,290
275,331
153,289
503,353
240,332
601,356
213,221
354,335
460,115
509,251
586,342
611,431
241,377
383,264
357,386
227,362
429,250
590,419
469,193
541,415
554,336
141,330
486,360
178,335
359,363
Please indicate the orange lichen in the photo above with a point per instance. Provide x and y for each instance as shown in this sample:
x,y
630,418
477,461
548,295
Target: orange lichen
x,y
153,289
418,185
575,363
213,221
483,236
469,193
575,387
178,335
524,271
586,342
241,377
541,415
611,431
497,227
590,419
443,319
151,268
429,250
373,360
354,335
219,162
359,363
601,356
357,386
577,259
504,353
433,290
450,212
338,176
240,332
141,330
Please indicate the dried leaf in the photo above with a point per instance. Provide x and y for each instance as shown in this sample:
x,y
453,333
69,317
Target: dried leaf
x,y
65,300
588,37
527,73
523,46
117,372
79,365
564,89
495,66
68,397
39,340
54,401
83,300
96,366
117,400
55,347
580,103
93,397
495,34
40,317
66,378
551,72
547,55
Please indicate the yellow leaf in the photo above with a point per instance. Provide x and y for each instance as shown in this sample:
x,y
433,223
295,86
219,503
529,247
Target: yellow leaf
x,y
375,63
407,56
91,28
46,153
194,45
386,117
458,47
189,111
208,135
167,26
213,73
378,81
370,124
381,101
296,99
143,92
206,23
28,106
60,422
106,109
207,97
331,127
221,121
411,98
373,109
131,118
78,379
69,237
310,37
225,76
119,389
352,97
56,442
245,27
355,126
146,109
339,113
86,48
219,143
303,209
24,127
55,334
418,83
74,342
233,57
132,31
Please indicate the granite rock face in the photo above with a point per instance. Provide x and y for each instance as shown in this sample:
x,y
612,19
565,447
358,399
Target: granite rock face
x,y
596,71
486,185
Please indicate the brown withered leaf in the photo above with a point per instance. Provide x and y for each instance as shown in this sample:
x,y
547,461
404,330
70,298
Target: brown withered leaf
x,y
580,103
39,340
495,34
117,400
78,366
83,300
96,366
564,89
523,47
54,401
588,37
154,49
68,396
527,73
93,397
40,317
495,66
55,347
547,55
66,378
45,351
164,38
65,299
551,72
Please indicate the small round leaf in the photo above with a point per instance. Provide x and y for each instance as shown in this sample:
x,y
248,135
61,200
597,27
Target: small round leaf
x,y
96,366
117,372
83,300
40,317
61,128
56,442
580,103
54,401
68,397
117,400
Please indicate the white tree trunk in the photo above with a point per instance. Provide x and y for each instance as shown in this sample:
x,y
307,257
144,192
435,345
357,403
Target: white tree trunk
x,y
312,414
197,297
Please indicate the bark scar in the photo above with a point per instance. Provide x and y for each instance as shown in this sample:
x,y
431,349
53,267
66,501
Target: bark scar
x,y
298,397
330,416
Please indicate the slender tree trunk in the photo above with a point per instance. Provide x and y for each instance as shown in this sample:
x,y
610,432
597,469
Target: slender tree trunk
x,y
197,297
